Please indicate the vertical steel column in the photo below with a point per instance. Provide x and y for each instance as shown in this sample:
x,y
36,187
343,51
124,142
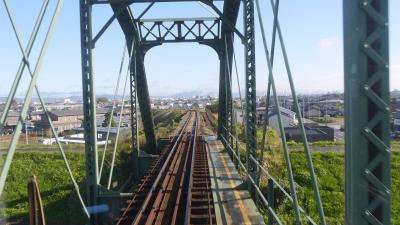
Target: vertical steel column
x,y
228,75
143,98
89,104
222,107
134,116
250,73
366,64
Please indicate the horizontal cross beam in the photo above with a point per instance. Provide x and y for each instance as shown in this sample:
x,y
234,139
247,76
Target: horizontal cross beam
x,y
160,31
146,1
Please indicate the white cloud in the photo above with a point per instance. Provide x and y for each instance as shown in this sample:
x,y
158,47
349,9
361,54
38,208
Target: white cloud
x,y
328,43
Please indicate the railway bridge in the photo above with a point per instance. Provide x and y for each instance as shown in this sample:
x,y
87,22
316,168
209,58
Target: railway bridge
x,y
199,177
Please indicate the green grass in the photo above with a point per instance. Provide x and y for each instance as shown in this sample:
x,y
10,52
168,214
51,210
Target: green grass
x,y
316,143
329,169
60,202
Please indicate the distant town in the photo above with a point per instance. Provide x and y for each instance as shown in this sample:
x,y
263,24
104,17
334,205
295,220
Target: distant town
x,y
322,115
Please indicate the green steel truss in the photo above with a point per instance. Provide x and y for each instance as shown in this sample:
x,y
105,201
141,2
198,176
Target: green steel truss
x,y
366,64
367,99
186,30
89,105
250,89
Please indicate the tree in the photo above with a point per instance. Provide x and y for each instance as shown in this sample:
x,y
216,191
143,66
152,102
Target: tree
x,y
48,133
107,118
102,99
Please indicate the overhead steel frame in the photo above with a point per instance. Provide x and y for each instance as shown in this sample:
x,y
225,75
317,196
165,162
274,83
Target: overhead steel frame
x,y
153,32
366,64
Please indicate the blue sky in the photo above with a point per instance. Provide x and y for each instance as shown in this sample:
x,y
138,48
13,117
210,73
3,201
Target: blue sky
x,y
312,32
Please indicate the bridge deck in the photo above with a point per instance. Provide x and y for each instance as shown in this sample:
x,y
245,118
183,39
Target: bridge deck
x,y
233,205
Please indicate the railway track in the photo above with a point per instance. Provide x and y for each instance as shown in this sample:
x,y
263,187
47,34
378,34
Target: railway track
x,y
177,188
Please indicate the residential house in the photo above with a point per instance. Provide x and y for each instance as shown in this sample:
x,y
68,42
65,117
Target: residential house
x,y
288,117
313,133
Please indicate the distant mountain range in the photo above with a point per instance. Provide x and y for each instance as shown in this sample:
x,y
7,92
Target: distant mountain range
x,y
51,97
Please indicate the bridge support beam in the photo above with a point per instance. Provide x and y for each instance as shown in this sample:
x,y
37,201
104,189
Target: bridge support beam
x,y
367,100
225,120
126,21
250,76
89,106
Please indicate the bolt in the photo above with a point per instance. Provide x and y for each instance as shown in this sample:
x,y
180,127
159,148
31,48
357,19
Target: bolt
x,y
367,213
366,87
366,46
367,172
366,130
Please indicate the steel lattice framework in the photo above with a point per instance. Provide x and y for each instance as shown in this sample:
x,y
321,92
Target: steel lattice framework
x,y
366,60
367,108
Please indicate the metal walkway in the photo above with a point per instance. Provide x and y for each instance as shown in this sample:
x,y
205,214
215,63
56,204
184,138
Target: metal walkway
x,y
232,202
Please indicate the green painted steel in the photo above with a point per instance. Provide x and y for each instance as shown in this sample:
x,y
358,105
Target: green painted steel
x,y
89,106
367,151
130,29
250,93
310,165
110,175
32,85
112,113
22,65
134,117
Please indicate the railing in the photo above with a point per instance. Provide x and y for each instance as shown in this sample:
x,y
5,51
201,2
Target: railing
x,y
272,181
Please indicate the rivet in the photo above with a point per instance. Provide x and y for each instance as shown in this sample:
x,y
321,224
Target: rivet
x,y
366,87
366,130
367,172
367,212
366,45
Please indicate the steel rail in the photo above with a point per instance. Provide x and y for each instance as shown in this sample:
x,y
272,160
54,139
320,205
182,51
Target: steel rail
x,y
167,192
161,173
123,219
188,199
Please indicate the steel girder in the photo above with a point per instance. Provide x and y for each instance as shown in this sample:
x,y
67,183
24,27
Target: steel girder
x,y
230,13
366,64
89,105
147,1
202,30
250,73
126,21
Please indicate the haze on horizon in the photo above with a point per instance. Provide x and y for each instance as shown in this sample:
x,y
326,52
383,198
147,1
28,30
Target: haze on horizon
x,y
313,38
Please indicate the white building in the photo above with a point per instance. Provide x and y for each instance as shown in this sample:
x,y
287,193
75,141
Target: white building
x,y
288,117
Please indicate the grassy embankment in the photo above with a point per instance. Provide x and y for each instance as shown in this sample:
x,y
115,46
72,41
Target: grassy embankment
x,y
60,201
329,169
